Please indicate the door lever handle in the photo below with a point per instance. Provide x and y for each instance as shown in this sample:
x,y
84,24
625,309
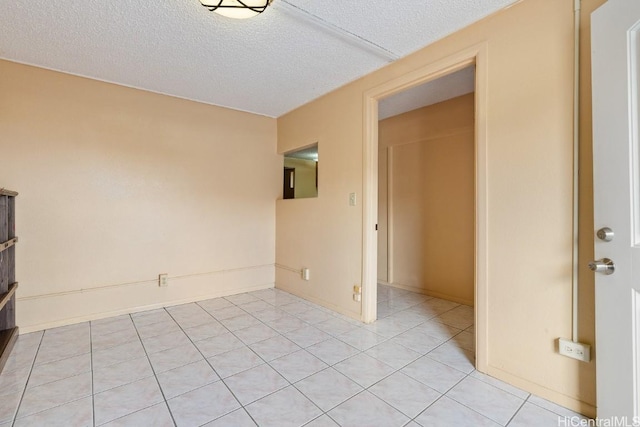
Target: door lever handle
x,y
604,266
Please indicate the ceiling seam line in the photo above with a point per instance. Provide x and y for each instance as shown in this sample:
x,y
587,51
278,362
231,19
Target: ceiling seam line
x,y
361,41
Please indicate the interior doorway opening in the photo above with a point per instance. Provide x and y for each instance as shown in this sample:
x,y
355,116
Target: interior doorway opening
x,y
405,206
426,218
426,189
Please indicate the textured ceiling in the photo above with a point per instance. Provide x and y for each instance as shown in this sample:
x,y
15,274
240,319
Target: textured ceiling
x,y
293,53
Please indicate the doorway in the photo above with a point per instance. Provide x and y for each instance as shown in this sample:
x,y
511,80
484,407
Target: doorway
x,y
473,57
426,189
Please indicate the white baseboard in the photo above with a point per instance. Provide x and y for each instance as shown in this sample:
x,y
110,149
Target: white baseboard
x,y
571,403
430,293
40,312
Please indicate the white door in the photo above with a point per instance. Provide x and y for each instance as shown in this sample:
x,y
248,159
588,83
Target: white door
x,y
616,156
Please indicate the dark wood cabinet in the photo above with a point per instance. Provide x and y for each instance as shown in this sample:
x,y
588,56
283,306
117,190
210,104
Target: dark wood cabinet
x,y
8,284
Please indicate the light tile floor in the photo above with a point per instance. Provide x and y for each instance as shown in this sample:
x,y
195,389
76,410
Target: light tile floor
x,y
265,358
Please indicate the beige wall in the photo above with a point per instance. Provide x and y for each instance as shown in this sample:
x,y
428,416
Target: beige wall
x,y
431,179
305,177
118,185
528,117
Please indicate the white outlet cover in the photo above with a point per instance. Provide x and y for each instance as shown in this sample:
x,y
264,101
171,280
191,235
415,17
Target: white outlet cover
x,y
163,280
575,350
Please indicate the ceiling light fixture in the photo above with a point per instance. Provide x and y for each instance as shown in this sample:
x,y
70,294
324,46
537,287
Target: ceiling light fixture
x,y
238,9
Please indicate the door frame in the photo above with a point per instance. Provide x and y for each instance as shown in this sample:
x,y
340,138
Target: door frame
x,y
474,55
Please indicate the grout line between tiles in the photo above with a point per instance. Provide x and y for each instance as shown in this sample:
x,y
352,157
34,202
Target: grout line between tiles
x,y
214,370
276,304
468,407
258,355
554,411
517,411
166,402
268,362
337,404
425,409
15,415
53,407
93,400
443,395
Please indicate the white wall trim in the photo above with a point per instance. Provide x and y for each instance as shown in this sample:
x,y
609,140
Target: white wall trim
x,y
321,302
426,291
66,308
543,392
137,283
97,316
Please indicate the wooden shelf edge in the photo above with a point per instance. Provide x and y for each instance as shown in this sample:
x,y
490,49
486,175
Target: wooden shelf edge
x,y
9,243
4,298
8,339
5,192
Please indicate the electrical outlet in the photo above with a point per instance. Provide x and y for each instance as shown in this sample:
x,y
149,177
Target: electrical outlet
x,y
352,199
305,274
357,293
163,280
575,350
